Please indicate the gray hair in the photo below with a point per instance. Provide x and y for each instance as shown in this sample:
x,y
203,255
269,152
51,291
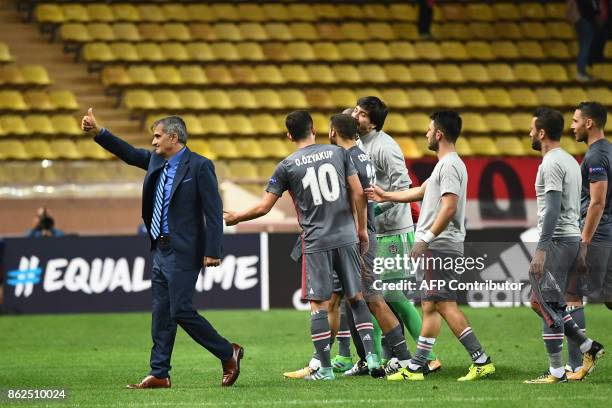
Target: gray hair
x,y
173,124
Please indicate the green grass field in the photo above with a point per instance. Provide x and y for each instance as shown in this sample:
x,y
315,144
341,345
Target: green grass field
x,y
94,356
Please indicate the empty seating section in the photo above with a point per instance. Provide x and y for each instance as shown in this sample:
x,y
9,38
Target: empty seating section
x,y
233,70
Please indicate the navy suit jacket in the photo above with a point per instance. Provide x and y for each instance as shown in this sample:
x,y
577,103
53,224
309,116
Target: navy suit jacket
x,y
195,213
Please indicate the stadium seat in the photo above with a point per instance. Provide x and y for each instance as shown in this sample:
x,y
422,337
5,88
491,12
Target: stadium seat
x,y
572,96
603,71
398,73
174,51
100,12
377,51
602,95
65,149
11,74
139,100
149,52
74,32
421,144
122,51
141,75
351,51
250,51
12,101
480,12
225,51
372,73
249,148
498,122
479,50
242,99
243,170
403,11
152,32
199,51
214,124
125,12
244,74
464,147
508,30
66,125
409,147
326,51
224,148
319,98
521,122
294,73
240,125
396,123
506,11
5,53
556,49
192,74
474,123
89,149
192,99
530,49
13,125
265,169
380,31
101,32
150,12
561,30
482,31
524,97
498,97
395,98
402,50
428,50
472,97
303,31
177,32
423,73
218,99
421,98
218,74
227,32
446,97
527,73
38,100
483,146
510,146
569,145
49,13
418,123
475,73
553,73
75,12
501,73
269,74
250,12
549,97
453,50
201,147
13,149
504,49
535,31
38,149
341,73
253,32
343,97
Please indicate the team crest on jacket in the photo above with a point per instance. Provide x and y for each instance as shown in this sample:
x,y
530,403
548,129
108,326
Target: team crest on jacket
x,y
393,249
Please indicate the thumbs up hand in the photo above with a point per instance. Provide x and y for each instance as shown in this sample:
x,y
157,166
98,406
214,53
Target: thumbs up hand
x,y
89,123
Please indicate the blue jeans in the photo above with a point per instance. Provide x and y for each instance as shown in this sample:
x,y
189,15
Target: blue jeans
x,y
585,32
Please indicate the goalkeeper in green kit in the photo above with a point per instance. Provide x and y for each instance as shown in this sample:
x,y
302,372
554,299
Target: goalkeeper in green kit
x,y
394,225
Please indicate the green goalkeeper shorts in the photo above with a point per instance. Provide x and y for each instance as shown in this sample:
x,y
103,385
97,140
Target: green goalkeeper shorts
x,y
389,247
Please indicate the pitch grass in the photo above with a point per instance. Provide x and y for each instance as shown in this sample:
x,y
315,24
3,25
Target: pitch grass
x,y
93,356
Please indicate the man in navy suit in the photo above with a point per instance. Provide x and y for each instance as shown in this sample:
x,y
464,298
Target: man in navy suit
x,y
182,211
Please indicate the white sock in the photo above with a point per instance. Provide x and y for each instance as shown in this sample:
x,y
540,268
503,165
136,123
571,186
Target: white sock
x,y
557,372
586,346
413,366
482,359
404,363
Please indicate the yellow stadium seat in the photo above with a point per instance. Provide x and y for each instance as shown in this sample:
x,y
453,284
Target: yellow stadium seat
x,y
608,50
201,147
530,49
151,12
100,12
75,12
271,99
89,149
561,30
244,74
174,51
510,146
320,123
479,12
452,12
38,100
395,98
403,11
250,12
244,171
372,73
352,11
194,127
573,96
65,149
343,73
199,52
218,74
453,50
423,73
553,73
239,125
276,12
406,31
482,31
508,30
13,125
446,97
202,32
278,32
498,122
293,73
224,148
549,97
398,73
464,148
428,50
166,99
603,71
177,32
139,100
12,100
343,97
506,11
319,98
421,97
35,74
265,169
253,32
326,51
192,99
5,53
569,145
101,32
38,149
39,124
74,32
149,52
10,74
227,32
225,51
166,74
472,97
556,11
524,97
275,148
527,73
395,123
498,97
13,149
249,147
521,122
417,123
227,12
265,124
532,11
218,99
402,50
290,98
380,31
377,51
243,99
535,31
421,143
301,51
250,51
122,51
49,13
602,95
556,49
175,12
142,75
483,146
200,12
152,32
475,73
304,31
479,50
409,147
504,49
501,73
269,74
125,12
451,31
193,75
303,12
474,123
214,124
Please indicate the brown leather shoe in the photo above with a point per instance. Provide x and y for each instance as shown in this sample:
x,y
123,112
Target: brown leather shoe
x,y
231,367
151,382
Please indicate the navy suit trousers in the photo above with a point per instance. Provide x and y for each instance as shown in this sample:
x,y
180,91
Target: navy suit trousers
x,y
173,289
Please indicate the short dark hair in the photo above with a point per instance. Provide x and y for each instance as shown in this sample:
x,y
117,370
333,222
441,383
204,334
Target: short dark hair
x,y
299,124
449,122
345,125
377,110
173,124
594,111
551,121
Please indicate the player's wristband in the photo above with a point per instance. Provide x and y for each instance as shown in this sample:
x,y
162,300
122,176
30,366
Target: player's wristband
x,y
428,236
